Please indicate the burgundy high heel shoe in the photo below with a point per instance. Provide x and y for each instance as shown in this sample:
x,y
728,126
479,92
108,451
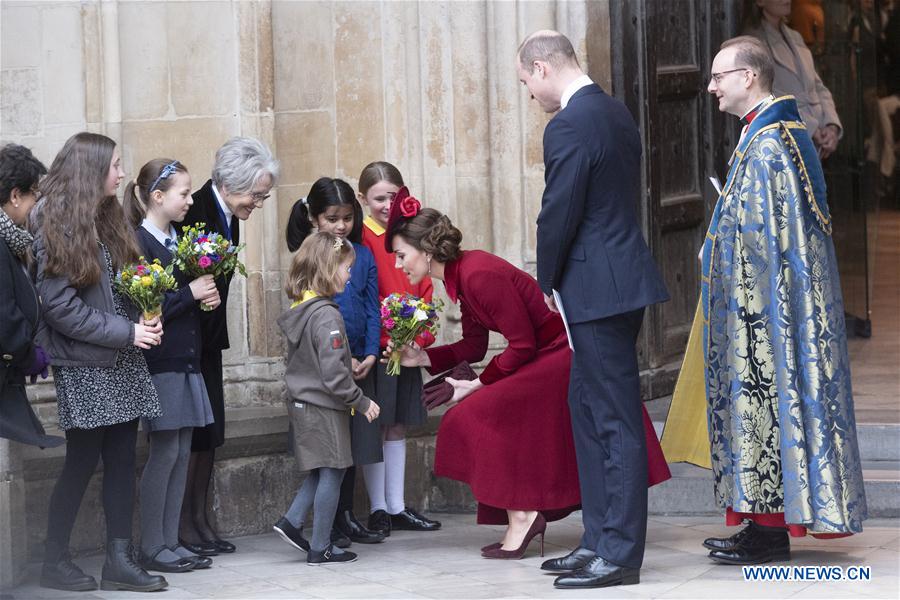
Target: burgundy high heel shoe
x,y
538,527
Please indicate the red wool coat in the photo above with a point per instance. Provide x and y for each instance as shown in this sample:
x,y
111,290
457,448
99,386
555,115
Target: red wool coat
x,y
511,441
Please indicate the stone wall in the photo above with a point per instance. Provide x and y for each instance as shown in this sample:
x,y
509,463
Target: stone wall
x,y
330,86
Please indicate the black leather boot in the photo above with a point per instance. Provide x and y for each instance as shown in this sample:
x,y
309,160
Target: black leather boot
x,y
122,572
346,522
60,573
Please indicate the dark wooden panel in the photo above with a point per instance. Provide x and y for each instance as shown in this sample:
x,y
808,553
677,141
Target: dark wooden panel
x,y
676,146
682,212
674,33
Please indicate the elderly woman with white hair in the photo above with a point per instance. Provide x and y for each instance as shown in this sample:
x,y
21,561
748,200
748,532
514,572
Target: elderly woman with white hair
x,y
243,175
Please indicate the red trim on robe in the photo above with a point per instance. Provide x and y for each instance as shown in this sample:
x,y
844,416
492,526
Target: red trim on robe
x,y
733,518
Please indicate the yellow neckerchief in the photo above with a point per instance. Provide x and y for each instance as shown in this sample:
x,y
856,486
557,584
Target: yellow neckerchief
x,y
374,225
307,295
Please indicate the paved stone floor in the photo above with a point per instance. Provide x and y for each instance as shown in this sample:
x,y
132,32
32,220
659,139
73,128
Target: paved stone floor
x,y
447,564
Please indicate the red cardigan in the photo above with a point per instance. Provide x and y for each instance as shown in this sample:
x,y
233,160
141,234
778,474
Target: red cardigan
x,y
390,278
495,296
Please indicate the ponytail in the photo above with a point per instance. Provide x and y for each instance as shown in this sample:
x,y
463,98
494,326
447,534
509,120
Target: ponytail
x,y
298,226
135,208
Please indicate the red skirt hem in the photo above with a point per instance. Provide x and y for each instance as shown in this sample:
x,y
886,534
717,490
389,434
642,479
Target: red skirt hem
x,y
733,518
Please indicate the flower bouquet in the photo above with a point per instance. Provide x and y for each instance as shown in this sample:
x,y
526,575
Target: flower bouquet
x,y
145,284
200,253
405,317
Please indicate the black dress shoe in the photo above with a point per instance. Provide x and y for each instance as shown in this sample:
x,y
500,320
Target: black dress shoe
x,y
291,534
201,549
410,520
380,522
346,523
729,542
760,545
222,546
598,573
575,559
339,539
151,563
327,556
199,562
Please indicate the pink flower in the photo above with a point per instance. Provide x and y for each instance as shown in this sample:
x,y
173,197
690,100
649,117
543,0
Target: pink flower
x,y
388,324
204,262
141,270
385,312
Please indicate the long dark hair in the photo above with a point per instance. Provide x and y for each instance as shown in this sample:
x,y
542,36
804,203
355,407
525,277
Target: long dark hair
x,y
75,213
325,192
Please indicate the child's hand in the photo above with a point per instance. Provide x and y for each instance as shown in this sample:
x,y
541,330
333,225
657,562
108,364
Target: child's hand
x,y
154,325
203,287
372,412
146,337
361,369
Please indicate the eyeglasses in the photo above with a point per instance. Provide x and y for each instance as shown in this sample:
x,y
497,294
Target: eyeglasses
x,y
717,77
258,198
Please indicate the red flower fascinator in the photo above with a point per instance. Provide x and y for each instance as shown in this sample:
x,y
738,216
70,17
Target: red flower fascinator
x,y
403,207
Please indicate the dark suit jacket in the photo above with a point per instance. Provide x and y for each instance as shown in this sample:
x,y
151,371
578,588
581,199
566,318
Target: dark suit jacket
x,y
589,242
204,210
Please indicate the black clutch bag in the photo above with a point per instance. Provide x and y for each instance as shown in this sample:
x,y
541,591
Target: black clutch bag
x,y
437,391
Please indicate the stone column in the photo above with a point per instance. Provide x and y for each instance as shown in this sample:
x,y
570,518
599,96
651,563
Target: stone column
x,y
12,510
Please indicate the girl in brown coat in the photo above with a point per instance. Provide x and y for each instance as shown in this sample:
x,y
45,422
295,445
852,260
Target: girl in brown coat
x,y
321,392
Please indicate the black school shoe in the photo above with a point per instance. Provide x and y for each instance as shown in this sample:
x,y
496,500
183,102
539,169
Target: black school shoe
x,y
290,534
380,522
346,523
339,539
327,556
410,520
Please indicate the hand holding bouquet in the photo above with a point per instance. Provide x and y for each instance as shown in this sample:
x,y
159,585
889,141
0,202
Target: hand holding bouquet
x,y
201,253
405,317
145,284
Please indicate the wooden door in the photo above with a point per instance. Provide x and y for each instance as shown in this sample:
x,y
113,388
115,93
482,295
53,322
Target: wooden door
x,y
661,54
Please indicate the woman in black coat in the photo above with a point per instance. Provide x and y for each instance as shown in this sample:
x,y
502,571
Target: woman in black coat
x,y
19,356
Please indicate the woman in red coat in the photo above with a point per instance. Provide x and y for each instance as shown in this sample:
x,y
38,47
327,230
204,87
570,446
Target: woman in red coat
x,y
510,439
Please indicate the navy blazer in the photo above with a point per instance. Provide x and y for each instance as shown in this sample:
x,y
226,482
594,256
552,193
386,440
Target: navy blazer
x,y
181,343
589,243
213,324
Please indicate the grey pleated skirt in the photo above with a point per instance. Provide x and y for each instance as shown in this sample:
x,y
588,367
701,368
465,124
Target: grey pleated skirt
x,y
320,436
399,396
183,400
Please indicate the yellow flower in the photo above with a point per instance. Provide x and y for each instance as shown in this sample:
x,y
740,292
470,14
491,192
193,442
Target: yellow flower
x,y
156,267
146,281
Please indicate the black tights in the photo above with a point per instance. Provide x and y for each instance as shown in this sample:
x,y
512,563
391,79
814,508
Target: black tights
x,y
84,448
348,488
194,526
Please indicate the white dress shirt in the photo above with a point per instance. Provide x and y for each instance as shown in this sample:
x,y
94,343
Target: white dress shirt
x,y
572,88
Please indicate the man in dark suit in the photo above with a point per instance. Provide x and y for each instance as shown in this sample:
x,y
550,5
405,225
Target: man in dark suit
x,y
243,175
592,257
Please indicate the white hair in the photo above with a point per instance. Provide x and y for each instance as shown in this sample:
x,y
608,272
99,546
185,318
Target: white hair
x,y
241,162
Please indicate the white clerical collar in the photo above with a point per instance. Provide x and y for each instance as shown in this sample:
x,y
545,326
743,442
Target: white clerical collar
x,y
157,233
223,206
572,88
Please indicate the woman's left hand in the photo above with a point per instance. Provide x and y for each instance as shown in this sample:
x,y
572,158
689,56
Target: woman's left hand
x,y
463,388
